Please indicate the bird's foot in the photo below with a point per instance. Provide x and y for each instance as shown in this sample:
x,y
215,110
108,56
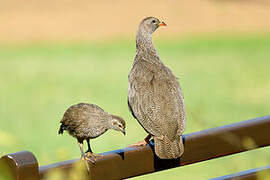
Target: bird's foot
x,y
97,155
140,143
89,154
92,159
143,142
86,159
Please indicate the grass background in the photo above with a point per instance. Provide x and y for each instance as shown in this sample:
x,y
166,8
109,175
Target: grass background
x,y
225,79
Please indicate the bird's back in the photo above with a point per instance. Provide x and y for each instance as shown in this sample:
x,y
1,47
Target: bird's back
x,y
85,120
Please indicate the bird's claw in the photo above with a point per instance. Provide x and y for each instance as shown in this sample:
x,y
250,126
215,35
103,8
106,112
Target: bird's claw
x,y
92,157
89,158
88,154
140,143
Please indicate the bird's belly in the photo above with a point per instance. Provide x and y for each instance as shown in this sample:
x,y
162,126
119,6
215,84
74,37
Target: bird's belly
x,y
86,132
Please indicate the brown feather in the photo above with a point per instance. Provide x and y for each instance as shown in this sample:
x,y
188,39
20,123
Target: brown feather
x,y
155,96
84,121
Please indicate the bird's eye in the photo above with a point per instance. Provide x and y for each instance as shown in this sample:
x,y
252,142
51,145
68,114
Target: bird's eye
x,y
119,125
154,21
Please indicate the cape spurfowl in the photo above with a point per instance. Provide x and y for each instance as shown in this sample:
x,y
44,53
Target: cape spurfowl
x,y
88,121
155,97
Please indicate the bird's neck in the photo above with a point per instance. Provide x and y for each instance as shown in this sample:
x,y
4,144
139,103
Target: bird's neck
x,y
144,44
110,125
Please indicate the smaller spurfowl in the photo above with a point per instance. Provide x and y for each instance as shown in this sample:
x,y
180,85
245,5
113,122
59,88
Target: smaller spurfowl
x,y
88,121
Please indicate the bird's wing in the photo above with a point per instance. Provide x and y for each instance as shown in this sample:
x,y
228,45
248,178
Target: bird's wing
x,y
177,99
71,118
130,109
155,98
83,113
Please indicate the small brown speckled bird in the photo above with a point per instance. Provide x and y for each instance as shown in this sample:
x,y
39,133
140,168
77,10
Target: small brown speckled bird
x,y
155,97
88,121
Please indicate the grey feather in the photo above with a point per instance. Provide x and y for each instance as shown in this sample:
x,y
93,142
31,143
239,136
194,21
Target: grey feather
x,y
155,96
84,121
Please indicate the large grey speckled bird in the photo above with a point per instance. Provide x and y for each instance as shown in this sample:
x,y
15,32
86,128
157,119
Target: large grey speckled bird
x,y
155,97
88,121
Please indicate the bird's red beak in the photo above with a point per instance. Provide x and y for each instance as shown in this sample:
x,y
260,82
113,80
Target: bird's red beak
x,y
162,24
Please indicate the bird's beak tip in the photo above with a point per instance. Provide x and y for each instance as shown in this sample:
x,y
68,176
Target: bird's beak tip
x,y
124,132
162,24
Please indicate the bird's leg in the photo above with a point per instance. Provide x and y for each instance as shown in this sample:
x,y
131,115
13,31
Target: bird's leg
x,y
143,142
89,152
83,155
88,145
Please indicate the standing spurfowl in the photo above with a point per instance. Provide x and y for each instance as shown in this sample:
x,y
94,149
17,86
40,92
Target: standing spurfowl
x,y
155,97
88,121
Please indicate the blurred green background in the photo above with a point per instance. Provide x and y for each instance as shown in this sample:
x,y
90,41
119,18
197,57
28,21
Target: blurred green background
x,y
224,76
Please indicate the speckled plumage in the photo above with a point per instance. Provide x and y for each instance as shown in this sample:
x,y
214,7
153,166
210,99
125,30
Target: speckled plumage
x,y
87,121
154,95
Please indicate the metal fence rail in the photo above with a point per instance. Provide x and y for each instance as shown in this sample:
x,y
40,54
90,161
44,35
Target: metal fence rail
x,y
199,146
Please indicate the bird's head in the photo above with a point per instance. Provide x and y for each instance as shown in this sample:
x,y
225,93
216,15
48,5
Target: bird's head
x,y
117,123
150,24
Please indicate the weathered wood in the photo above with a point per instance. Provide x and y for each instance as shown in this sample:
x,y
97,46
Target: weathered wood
x,y
21,165
199,146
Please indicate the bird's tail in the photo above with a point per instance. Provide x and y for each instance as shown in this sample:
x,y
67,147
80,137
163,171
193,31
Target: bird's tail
x,y
167,149
61,129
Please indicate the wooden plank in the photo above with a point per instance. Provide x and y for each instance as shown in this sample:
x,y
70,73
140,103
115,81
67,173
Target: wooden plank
x,y
199,146
21,165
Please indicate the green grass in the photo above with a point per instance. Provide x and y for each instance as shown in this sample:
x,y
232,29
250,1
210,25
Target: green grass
x,y
225,79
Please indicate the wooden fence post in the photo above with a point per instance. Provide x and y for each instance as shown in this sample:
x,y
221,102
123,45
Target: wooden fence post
x,y
22,165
